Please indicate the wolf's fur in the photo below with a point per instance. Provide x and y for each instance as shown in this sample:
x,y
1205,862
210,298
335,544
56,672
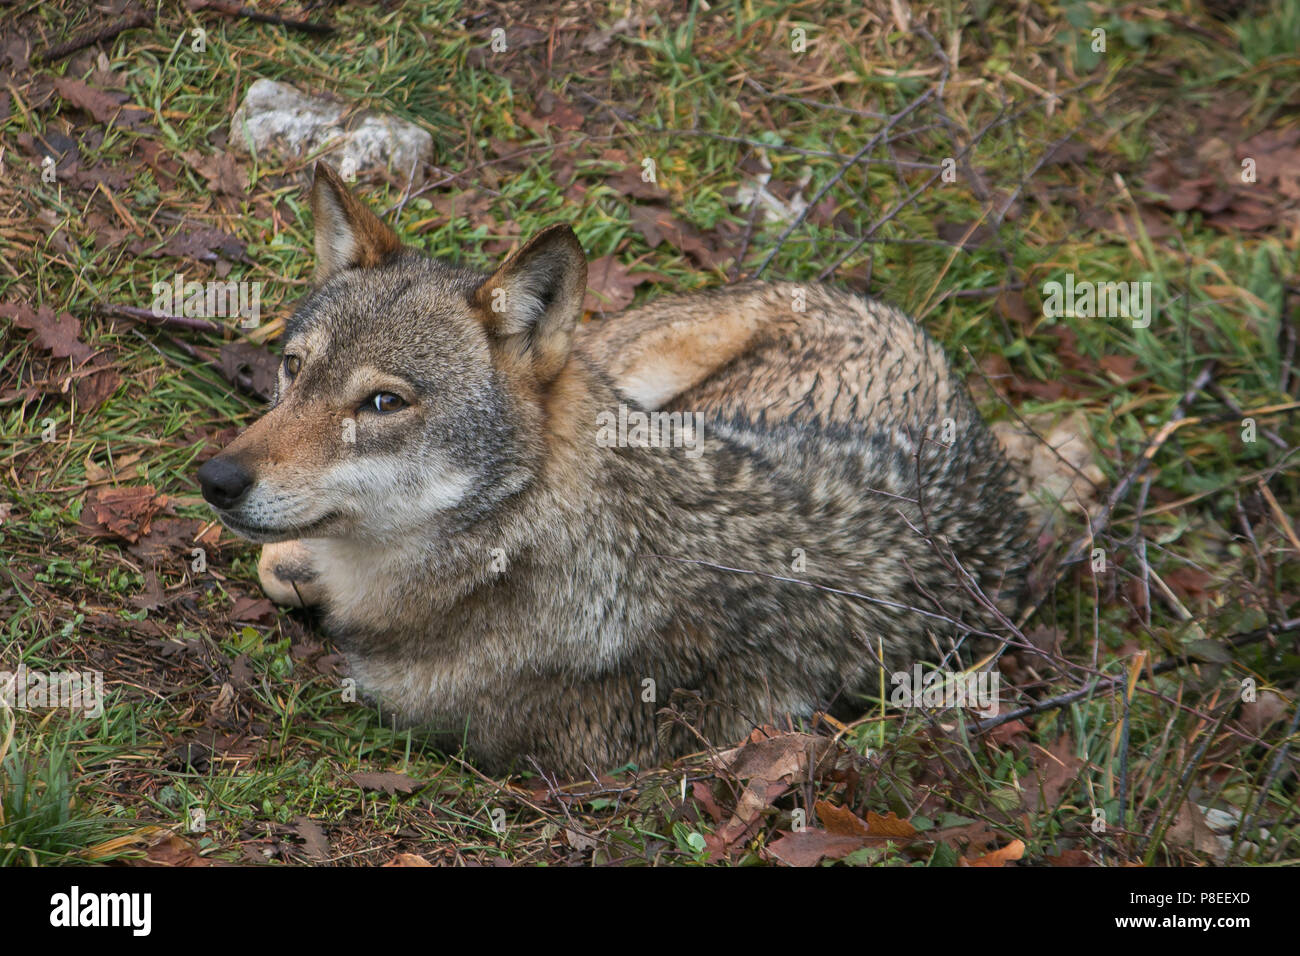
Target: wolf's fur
x,y
821,437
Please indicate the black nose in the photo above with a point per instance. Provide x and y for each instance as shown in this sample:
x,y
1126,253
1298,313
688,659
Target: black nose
x,y
224,481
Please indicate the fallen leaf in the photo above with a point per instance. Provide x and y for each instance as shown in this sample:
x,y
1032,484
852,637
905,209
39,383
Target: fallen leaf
x,y
173,850
168,539
408,859
1008,854
772,762
315,843
123,512
610,286
223,173
241,672
1258,715
1121,226
1191,832
251,367
1071,858
839,821
566,116
1011,305
95,389
890,825
628,181
251,609
975,837
152,596
1005,734
659,225
386,781
954,233
1124,368
776,756
193,241
812,846
1055,769
705,798
102,106
55,333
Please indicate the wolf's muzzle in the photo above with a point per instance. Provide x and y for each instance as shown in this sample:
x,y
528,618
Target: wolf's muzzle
x,y
224,481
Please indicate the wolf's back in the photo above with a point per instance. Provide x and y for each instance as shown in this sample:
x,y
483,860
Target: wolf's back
x,y
851,396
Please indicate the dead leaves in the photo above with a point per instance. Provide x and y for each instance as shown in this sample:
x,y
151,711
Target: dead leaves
x,y
247,608
844,833
102,106
195,241
1253,186
252,368
772,763
316,845
227,179
1055,771
658,225
386,781
56,333
629,182
174,850
122,512
95,389
610,286
812,846
59,334
174,540
1191,832
1004,856
551,111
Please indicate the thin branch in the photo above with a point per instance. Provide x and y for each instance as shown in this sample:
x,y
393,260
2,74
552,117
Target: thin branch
x,y
1109,683
57,52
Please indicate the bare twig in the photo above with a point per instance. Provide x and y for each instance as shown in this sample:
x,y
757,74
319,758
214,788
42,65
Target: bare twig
x,y
55,53
844,168
248,13
1109,683
149,317
1140,466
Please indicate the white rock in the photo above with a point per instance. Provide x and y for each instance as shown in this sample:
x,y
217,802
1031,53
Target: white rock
x,y
278,120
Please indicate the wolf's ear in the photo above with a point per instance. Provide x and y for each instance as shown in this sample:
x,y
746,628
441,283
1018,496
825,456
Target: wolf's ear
x,y
348,234
533,301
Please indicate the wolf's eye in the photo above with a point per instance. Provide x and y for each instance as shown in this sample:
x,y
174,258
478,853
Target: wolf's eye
x,y
292,364
386,402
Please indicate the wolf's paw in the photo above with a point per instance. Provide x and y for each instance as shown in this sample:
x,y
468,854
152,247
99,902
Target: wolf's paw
x,y
288,576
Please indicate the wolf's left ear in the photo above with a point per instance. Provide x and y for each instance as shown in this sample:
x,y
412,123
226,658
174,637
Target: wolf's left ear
x,y
348,234
533,301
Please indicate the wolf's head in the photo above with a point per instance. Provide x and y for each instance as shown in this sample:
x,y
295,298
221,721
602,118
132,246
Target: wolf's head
x,y
410,391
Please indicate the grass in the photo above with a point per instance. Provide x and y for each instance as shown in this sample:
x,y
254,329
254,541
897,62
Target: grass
x,y
244,719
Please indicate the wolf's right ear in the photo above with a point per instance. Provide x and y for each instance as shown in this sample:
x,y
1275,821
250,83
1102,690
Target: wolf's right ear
x,y
531,304
348,234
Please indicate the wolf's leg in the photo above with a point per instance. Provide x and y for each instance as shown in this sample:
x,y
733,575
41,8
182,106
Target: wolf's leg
x,y
288,576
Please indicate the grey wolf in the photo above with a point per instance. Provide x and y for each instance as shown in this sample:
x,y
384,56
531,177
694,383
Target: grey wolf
x,y
429,474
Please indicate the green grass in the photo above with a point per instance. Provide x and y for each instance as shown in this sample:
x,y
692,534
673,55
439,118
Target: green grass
x,y
74,790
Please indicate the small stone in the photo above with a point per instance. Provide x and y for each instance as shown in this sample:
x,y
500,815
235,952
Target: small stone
x,y
278,120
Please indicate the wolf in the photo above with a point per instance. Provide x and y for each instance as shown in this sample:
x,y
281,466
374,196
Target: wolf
x,y
511,576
